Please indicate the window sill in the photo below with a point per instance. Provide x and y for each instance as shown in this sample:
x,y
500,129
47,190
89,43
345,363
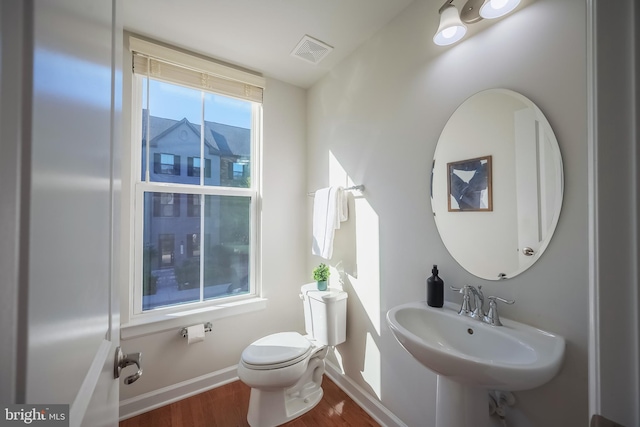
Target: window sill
x,y
152,324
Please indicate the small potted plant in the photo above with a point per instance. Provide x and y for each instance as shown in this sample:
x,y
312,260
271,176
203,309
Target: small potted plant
x,y
321,275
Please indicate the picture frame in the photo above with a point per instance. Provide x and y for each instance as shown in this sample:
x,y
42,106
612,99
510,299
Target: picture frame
x,y
469,185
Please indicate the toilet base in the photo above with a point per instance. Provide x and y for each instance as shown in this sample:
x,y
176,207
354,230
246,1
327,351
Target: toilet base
x,y
267,408
270,408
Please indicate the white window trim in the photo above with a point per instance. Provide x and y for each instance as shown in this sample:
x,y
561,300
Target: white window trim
x,y
134,323
159,322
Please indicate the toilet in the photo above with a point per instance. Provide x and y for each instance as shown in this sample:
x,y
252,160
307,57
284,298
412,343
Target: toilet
x,y
284,370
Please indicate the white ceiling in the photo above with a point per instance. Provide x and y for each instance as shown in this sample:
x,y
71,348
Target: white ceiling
x,y
260,34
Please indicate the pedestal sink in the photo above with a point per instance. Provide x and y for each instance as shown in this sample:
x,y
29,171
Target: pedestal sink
x,y
471,357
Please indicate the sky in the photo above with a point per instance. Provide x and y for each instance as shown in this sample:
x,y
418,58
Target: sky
x,y
171,101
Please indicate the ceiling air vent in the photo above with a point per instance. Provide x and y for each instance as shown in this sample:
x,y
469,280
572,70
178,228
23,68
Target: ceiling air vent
x,y
311,50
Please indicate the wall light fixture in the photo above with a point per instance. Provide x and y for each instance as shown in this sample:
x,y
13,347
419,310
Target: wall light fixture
x,y
452,26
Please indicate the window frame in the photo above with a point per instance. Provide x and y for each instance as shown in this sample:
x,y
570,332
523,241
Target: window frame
x,y
138,321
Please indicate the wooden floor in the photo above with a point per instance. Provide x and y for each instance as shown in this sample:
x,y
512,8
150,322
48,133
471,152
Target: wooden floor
x,y
227,406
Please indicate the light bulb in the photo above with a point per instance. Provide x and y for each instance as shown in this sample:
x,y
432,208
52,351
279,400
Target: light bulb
x,y
497,8
451,28
449,32
498,4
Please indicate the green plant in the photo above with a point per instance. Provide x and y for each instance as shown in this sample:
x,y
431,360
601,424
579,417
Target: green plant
x,y
321,273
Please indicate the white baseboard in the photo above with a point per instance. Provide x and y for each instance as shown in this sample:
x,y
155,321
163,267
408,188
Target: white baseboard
x,y
166,395
371,405
173,393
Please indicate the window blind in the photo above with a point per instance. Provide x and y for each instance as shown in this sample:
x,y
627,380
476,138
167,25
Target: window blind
x,y
162,63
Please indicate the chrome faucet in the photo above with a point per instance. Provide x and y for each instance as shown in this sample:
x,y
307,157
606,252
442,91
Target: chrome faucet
x,y
477,312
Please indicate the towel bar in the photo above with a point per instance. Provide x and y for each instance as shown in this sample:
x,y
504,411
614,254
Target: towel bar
x,y
355,187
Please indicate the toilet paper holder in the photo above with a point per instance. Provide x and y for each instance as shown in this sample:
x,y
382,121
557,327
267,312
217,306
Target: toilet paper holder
x,y
207,328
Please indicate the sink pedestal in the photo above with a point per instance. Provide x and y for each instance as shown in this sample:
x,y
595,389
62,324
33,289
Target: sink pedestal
x,y
461,405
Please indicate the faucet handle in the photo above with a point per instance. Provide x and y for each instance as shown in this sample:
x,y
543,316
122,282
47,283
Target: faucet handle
x,y
492,316
506,301
466,290
463,290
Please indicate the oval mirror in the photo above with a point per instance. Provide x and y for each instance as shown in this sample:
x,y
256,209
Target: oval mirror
x,y
497,184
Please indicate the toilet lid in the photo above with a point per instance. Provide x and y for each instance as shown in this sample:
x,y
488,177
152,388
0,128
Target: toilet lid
x,y
276,348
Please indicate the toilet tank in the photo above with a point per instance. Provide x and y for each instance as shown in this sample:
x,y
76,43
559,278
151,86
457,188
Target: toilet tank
x,y
325,314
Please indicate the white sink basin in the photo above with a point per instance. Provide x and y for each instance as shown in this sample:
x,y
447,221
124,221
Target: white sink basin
x,y
509,357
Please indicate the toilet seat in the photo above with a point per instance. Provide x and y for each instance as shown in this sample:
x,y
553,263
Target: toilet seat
x,y
276,351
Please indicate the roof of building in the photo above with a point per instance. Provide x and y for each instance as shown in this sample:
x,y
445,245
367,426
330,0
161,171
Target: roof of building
x,y
221,139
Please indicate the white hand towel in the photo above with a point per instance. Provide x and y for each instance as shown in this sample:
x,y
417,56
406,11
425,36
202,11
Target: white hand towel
x,y
329,210
342,205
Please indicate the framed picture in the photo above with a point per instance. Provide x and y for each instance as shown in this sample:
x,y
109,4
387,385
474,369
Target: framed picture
x,y
469,185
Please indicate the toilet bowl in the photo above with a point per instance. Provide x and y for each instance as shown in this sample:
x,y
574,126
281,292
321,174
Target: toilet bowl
x,y
284,370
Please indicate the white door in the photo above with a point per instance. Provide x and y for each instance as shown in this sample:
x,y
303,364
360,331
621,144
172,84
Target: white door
x,y
531,233
60,112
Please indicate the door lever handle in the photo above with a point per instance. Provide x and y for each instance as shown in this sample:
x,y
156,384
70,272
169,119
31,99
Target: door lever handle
x,y
123,360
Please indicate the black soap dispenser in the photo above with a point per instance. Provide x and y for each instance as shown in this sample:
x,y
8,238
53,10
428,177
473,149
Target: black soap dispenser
x,y
435,289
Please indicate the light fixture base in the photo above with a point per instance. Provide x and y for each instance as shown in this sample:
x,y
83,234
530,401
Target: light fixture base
x,y
470,12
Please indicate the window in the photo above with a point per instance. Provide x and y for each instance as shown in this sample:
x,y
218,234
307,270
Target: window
x,y
193,167
167,164
166,204
193,205
195,227
238,170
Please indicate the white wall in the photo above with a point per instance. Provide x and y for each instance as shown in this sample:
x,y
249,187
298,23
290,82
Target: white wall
x,y
167,360
375,120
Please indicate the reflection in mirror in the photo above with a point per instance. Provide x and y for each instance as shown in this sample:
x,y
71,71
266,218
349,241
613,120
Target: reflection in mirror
x,y
469,184
497,184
